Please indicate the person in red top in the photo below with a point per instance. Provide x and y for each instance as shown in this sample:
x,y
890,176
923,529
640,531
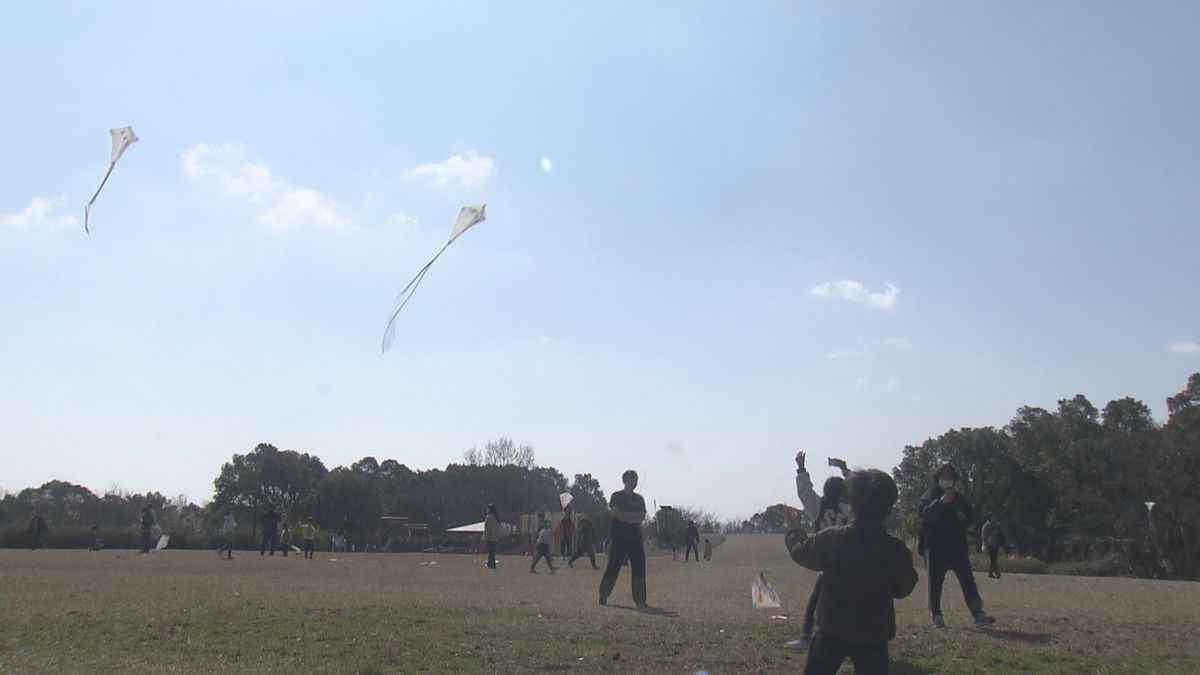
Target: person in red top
x,y
566,534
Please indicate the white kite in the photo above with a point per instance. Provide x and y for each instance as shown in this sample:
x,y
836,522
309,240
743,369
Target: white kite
x,y
467,216
762,594
121,138
566,498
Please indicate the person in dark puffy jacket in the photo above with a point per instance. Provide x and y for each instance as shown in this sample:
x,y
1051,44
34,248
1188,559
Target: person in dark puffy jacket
x,y
945,516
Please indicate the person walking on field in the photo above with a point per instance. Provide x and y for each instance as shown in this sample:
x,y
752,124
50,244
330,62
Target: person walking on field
x,y
628,510
544,535
38,531
993,539
228,527
945,516
829,510
691,539
308,533
270,533
865,571
491,534
147,527
586,546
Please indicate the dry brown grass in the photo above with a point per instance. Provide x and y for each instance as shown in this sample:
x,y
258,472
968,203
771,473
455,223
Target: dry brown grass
x,y
75,611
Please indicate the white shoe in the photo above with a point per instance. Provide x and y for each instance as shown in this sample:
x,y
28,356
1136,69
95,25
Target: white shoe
x,y
799,645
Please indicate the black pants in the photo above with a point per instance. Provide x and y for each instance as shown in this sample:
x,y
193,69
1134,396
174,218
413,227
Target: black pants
x,y
543,551
273,538
810,612
585,548
308,549
937,563
827,653
691,546
145,541
228,545
626,548
994,570
491,546
564,547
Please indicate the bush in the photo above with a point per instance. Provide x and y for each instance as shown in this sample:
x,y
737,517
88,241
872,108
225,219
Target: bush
x,y
1107,566
1016,564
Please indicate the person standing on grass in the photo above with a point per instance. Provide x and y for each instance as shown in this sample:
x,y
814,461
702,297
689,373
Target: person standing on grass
x,y
544,534
628,510
228,528
270,532
38,532
691,539
585,544
285,537
147,527
707,551
491,534
828,510
945,516
308,533
865,571
566,533
993,539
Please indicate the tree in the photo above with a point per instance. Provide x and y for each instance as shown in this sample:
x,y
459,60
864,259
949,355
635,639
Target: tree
x,y
589,497
349,500
267,475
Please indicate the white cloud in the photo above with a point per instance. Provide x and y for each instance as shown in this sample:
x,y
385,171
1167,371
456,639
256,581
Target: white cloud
x,y
898,343
843,354
403,220
37,216
856,292
1186,348
469,169
279,204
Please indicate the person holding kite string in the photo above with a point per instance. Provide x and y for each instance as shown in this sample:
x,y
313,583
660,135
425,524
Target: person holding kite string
x,y
491,534
945,516
828,510
628,510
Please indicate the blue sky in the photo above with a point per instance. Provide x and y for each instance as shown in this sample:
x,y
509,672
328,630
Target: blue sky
x,y
767,227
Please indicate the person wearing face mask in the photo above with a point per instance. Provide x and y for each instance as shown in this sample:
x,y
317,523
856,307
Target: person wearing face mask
x,y
945,516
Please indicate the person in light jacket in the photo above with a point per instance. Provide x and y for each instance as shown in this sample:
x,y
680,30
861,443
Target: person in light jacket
x,y
491,534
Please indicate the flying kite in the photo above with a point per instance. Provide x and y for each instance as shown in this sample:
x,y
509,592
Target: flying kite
x,y
762,594
467,216
122,138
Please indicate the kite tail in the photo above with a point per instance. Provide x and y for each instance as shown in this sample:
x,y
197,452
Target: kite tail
x,y
87,209
402,298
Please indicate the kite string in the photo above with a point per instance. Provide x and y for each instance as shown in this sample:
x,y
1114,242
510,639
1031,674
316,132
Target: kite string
x,y
403,297
87,209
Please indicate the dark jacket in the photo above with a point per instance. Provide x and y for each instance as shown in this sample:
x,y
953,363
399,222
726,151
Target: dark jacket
x,y
942,531
691,535
865,571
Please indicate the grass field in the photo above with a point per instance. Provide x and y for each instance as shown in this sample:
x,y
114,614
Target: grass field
x,y
75,611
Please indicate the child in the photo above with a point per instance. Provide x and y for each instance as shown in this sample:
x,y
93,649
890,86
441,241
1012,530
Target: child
x,y
96,544
829,510
865,570
993,539
308,532
285,538
543,548
707,551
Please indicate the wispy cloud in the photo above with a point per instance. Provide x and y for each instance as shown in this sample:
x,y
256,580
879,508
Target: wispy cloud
x,y
37,216
467,169
897,343
843,354
853,291
279,204
1186,348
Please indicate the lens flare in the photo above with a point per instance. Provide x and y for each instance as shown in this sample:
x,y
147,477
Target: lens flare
x,y
546,165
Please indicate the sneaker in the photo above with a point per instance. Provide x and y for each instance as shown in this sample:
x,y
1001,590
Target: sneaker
x,y
938,621
571,564
800,644
983,619
641,605
603,600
